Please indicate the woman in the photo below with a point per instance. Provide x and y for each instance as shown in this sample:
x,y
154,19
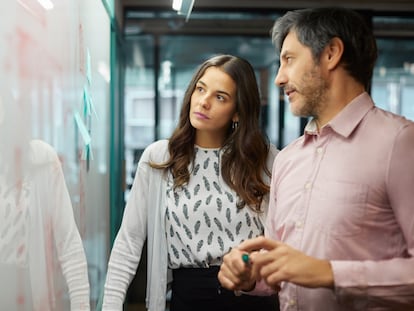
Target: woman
x,y
197,195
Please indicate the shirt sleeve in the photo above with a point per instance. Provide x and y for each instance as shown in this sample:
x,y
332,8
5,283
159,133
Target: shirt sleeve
x,y
128,244
388,282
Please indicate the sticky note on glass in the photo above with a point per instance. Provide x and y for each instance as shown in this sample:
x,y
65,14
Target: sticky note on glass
x,y
88,67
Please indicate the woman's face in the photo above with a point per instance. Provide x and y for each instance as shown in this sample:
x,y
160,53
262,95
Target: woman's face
x,y
213,107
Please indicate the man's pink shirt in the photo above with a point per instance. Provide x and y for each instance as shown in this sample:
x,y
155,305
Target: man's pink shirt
x,y
346,193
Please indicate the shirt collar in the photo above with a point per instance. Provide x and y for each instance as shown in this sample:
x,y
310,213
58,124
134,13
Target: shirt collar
x,y
346,120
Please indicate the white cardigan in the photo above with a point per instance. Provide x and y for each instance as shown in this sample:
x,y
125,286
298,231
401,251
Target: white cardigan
x,y
144,218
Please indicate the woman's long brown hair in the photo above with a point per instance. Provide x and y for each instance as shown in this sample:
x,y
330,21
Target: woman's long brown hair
x,y
245,149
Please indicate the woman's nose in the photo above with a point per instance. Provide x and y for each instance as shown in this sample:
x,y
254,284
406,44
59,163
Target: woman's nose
x,y
205,101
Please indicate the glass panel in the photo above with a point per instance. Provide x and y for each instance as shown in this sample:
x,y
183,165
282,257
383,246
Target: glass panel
x,y
393,80
407,108
55,71
139,101
272,117
292,125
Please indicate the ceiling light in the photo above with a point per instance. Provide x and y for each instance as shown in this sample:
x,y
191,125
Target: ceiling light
x,y
177,4
183,7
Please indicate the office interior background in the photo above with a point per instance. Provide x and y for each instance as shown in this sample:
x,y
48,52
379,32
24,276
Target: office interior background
x,y
99,80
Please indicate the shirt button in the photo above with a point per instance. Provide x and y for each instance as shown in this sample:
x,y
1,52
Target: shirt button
x,y
307,185
292,302
299,224
319,150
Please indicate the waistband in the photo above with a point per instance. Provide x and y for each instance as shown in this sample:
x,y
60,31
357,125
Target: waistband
x,y
211,271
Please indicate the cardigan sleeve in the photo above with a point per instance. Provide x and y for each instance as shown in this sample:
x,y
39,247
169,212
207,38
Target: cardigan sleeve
x,y
128,244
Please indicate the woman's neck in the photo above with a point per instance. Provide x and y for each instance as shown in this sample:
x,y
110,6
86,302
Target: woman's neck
x,y
208,141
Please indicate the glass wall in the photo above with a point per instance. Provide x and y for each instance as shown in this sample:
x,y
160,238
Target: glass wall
x,y
54,116
393,81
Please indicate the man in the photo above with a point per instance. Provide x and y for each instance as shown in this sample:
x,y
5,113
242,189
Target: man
x,y
340,227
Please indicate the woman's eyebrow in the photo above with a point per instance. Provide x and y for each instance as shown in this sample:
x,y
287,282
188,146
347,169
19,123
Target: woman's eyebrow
x,y
218,91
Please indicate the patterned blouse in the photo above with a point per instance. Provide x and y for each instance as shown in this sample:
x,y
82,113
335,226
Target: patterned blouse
x,y
202,220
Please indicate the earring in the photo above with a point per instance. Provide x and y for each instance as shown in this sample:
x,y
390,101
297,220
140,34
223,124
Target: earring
x,y
234,125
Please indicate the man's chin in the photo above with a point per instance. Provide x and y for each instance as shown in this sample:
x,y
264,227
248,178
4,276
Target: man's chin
x,y
295,110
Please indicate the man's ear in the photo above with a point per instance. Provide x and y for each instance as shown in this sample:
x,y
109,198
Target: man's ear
x,y
333,53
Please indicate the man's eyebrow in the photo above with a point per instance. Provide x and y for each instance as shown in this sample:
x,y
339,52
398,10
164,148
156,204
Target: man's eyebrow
x,y
284,53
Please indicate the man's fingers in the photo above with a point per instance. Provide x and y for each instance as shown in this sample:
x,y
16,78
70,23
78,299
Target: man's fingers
x,y
258,244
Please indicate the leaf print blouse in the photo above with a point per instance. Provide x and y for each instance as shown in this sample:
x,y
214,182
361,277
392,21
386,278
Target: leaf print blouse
x,y
202,220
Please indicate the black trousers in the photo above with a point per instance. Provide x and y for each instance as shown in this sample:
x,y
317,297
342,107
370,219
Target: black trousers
x,y
198,289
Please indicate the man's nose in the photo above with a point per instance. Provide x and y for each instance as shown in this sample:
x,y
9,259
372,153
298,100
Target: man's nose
x,y
280,78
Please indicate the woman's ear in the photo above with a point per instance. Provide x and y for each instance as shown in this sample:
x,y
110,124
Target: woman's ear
x,y
333,53
235,117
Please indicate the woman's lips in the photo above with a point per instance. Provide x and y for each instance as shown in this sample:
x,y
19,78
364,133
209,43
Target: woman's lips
x,y
200,115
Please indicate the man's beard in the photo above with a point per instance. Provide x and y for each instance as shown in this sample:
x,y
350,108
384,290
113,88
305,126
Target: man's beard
x,y
313,91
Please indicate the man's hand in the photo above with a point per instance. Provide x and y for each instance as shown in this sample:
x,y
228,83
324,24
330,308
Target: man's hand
x,y
282,263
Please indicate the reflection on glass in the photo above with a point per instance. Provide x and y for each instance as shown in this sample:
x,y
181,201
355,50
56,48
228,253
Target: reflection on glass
x,y
48,58
42,259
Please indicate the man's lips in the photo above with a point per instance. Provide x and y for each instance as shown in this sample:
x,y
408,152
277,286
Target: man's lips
x,y
288,92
